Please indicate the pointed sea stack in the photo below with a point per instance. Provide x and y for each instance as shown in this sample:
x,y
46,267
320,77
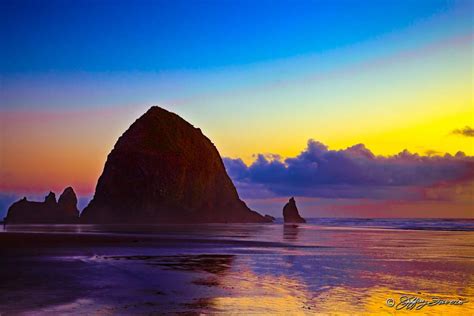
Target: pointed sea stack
x,y
67,203
164,170
291,214
47,212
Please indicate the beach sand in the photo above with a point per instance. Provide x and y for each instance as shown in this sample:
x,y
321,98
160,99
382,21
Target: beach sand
x,y
224,269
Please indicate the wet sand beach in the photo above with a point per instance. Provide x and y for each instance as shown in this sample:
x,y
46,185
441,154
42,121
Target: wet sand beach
x,y
326,267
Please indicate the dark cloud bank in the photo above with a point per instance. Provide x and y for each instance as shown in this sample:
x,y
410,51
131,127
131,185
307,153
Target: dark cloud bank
x,y
354,172
466,131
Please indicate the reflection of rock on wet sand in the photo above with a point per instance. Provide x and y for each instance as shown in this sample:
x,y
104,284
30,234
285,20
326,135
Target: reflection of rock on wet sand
x,y
214,267
290,232
211,263
225,290
223,269
251,293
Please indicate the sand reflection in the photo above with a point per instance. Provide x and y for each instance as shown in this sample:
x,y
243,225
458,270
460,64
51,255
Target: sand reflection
x,y
278,270
382,300
282,295
261,294
290,232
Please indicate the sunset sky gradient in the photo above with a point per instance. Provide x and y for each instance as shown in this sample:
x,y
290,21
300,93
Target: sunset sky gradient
x,y
258,77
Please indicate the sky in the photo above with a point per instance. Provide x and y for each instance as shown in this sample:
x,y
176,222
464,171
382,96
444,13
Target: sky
x,y
382,89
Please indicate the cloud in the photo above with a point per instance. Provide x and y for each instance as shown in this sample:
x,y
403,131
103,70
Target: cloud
x,y
354,172
431,152
466,131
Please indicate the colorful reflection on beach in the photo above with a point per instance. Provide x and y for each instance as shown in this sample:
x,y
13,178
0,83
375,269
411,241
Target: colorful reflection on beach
x,y
316,268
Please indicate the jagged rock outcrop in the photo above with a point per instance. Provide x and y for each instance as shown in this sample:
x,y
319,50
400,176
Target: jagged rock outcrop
x,y
161,170
291,214
68,202
269,218
49,211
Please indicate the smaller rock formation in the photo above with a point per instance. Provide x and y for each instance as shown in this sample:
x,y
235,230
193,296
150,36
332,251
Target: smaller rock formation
x,y
68,203
48,212
291,214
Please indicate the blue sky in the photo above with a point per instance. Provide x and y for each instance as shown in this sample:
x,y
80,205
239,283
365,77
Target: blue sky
x,y
258,77
98,36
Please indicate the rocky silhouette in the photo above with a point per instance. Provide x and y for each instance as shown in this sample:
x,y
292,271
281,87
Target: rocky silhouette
x,y
291,214
67,202
30,212
269,218
161,170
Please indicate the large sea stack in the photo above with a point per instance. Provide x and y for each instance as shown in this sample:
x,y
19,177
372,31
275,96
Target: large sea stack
x,y
48,212
291,214
164,170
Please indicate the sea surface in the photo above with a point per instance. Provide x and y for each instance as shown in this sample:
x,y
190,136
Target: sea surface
x,y
327,266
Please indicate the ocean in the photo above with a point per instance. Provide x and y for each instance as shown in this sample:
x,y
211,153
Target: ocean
x,y
327,266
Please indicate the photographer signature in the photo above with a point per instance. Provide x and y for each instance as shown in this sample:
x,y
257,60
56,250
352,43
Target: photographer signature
x,y
417,303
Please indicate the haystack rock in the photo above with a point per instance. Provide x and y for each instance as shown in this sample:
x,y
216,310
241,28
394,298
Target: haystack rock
x,y
49,211
164,170
291,214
